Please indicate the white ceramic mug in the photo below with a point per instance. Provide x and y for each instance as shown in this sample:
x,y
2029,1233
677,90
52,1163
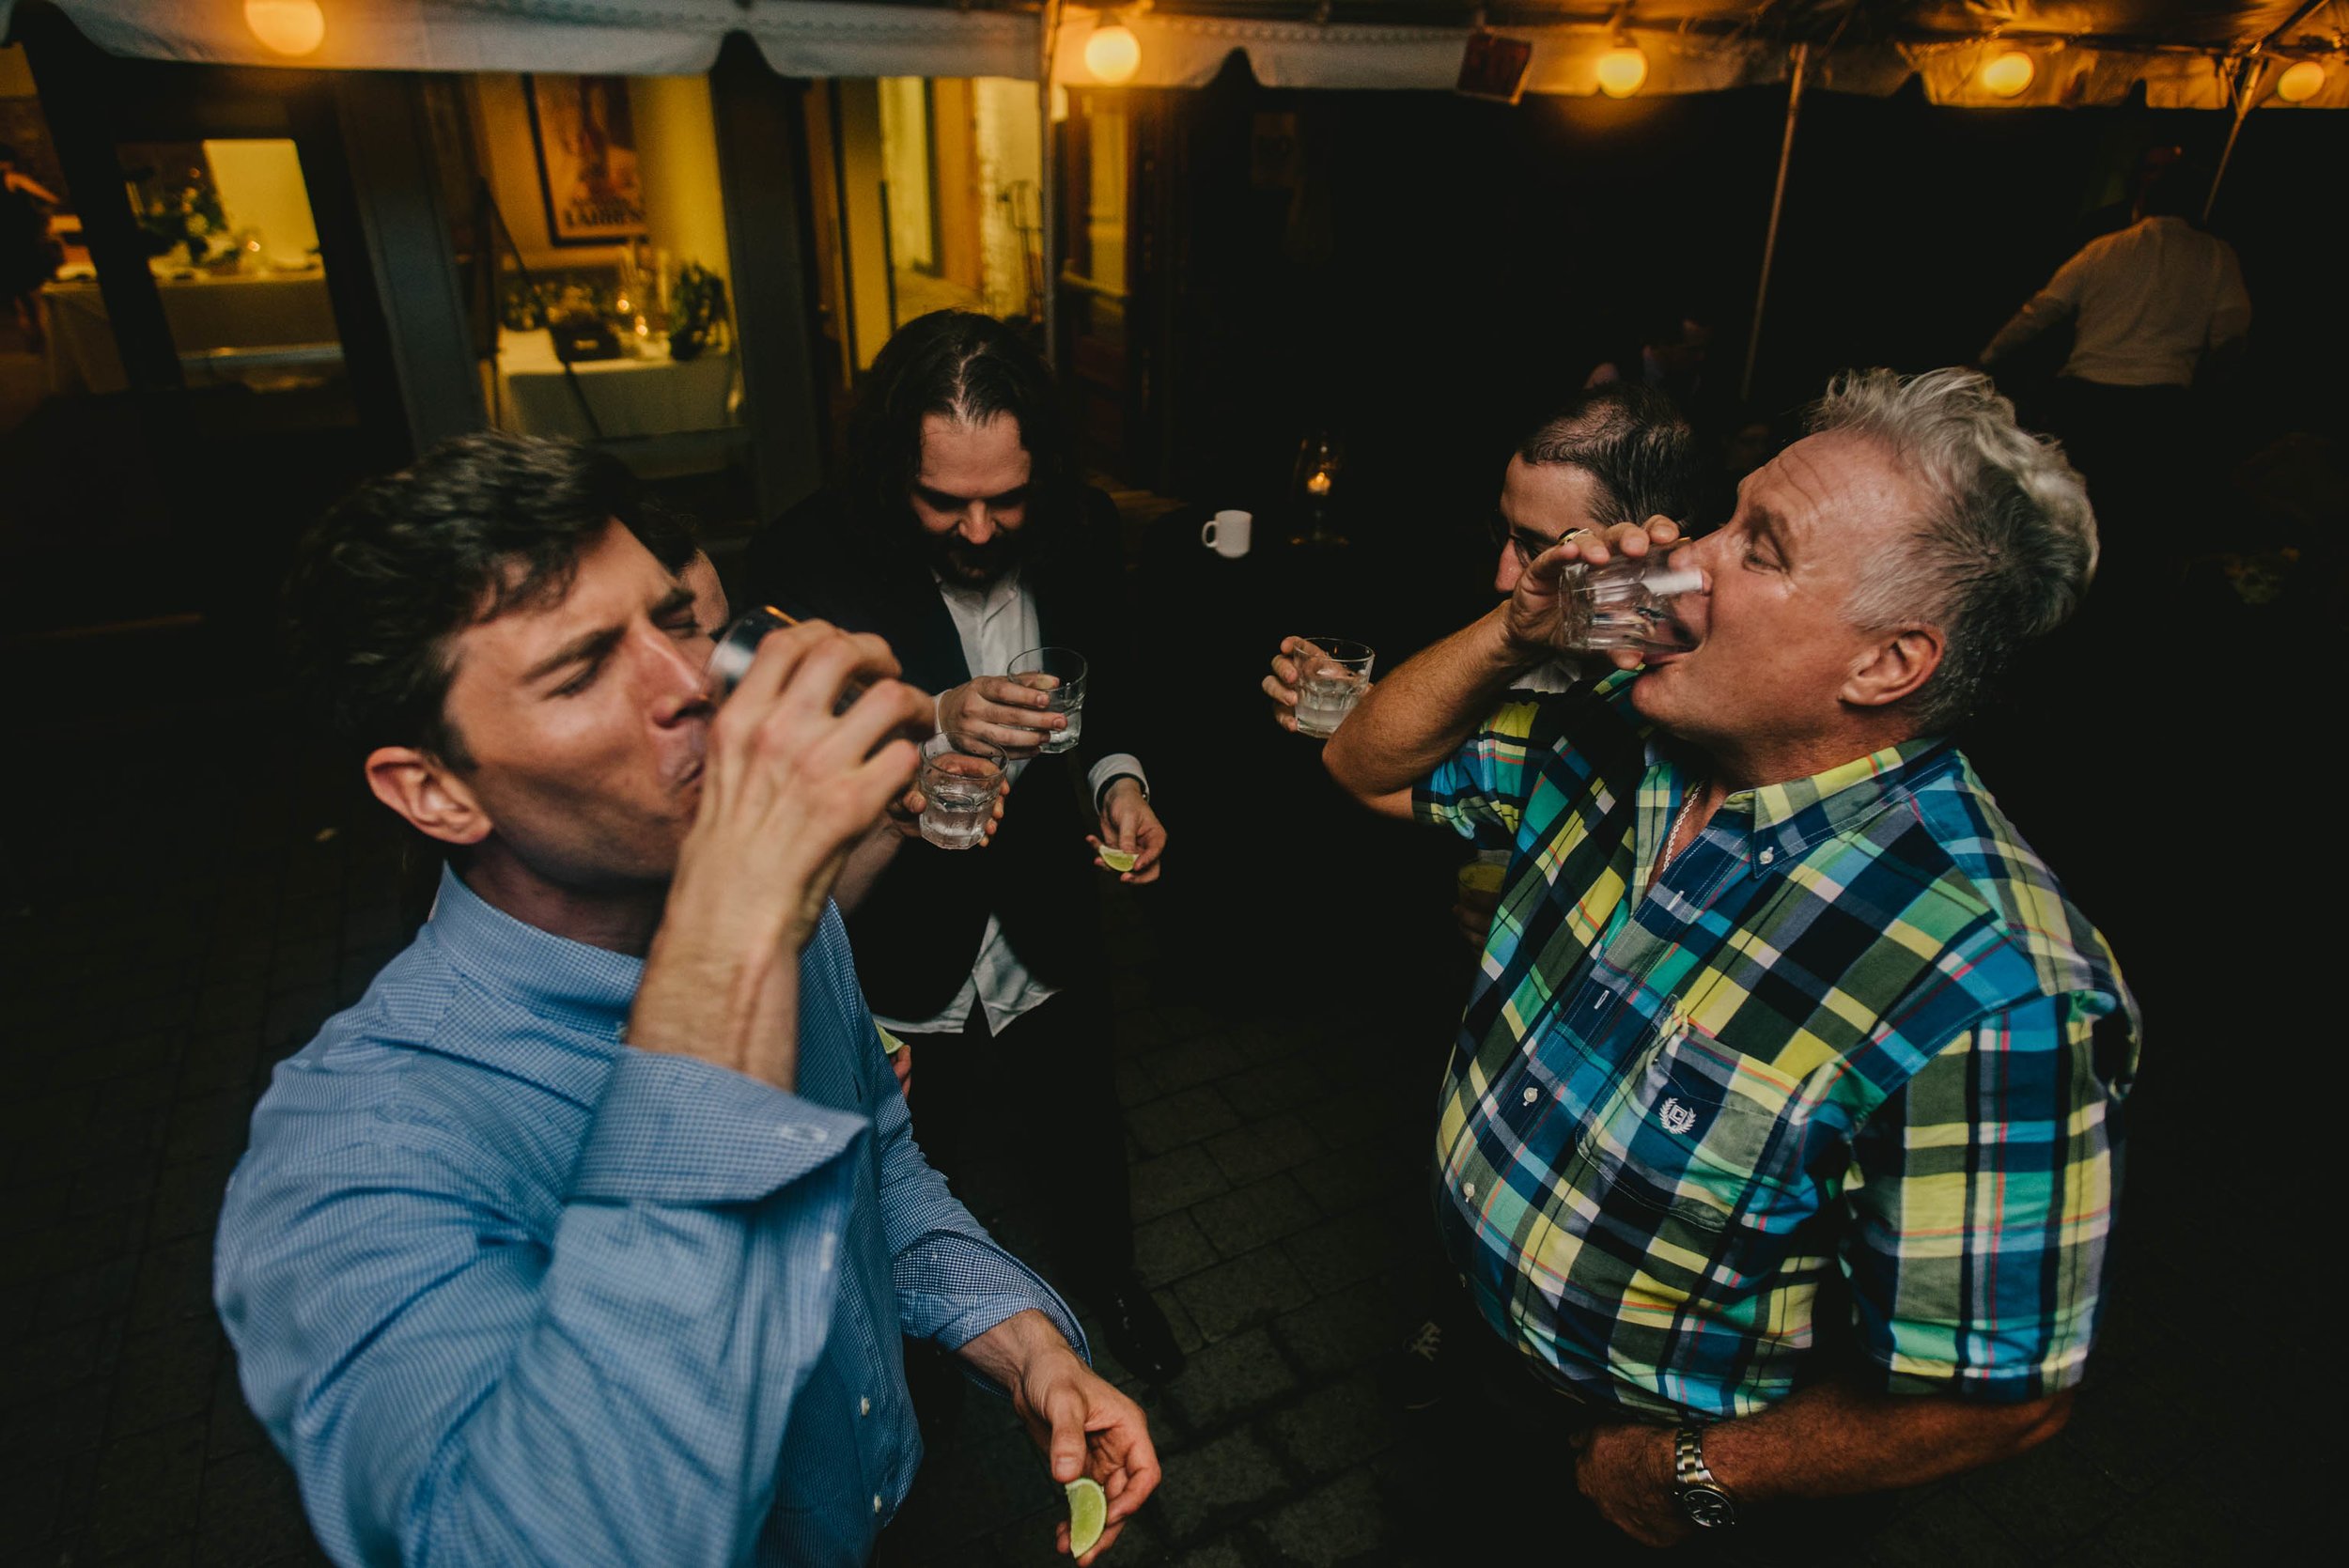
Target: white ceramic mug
x,y
1227,534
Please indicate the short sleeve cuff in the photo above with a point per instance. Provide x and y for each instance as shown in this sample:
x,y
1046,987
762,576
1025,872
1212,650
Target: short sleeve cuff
x,y
675,1131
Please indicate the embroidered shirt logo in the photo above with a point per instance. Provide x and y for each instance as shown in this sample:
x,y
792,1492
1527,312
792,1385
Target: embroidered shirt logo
x,y
1677,1118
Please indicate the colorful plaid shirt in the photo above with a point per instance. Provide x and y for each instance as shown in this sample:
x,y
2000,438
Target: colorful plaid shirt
x,y
1847,1081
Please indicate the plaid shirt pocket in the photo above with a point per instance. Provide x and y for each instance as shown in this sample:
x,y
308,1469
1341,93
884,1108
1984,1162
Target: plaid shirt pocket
x,y
1682,1139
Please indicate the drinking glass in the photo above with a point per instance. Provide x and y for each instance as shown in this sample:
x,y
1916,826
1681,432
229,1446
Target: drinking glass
x,y
1333,673
1059,673
730,659
960,777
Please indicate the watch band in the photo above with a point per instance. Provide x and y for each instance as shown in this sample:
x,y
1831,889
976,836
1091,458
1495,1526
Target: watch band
x,y
1703,1501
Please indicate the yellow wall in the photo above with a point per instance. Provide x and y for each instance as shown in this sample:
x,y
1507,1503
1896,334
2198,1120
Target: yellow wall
x,y
16,77
676,156
260,181
685,212
861,219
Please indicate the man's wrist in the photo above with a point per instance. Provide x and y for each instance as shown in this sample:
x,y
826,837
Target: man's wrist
x,y
1505,654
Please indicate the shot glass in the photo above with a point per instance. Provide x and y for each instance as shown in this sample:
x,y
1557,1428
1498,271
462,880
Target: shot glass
x,y
730,659
959,779
1059,673
1333,673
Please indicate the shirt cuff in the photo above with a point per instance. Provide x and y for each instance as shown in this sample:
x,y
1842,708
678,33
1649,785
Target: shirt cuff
x,y
951,1288
675,1131
1100,774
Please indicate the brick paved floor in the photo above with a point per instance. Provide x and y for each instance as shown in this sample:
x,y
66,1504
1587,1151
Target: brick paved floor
x,y
201,894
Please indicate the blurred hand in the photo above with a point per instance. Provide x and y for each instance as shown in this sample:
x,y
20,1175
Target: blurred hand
x,y
1281,685
1472,911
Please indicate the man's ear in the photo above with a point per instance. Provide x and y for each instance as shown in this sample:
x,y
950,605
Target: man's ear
x,y
428,792
1893,668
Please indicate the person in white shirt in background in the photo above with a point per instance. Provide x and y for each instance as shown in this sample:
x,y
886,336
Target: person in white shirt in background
x,y
2155,311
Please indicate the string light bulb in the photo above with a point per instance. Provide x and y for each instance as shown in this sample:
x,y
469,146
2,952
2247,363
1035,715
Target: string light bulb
x,y
287,26
1622,69
1113,54
2301,81
2006,75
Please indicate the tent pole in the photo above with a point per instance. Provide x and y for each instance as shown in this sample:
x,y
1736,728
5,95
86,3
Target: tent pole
x,y
1778,204
1047,198
2246,94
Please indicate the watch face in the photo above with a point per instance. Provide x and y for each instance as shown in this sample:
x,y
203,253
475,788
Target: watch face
x,y
1707,1507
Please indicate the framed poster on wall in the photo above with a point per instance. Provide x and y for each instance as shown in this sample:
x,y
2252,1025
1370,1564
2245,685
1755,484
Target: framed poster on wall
x,y
587,165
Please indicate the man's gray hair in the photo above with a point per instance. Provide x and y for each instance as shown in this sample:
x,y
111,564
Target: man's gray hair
x,y
2005,553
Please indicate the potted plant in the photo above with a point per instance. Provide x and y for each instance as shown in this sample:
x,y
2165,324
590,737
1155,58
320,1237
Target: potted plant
x,y
697,311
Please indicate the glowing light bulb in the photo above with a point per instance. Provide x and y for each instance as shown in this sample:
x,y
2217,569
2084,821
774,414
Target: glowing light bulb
x,y
2008,74
287,26
1113,54
1622,71
2300,82
1317,482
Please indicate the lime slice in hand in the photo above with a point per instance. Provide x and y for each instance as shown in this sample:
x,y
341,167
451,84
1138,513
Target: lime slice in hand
x,y
1088,1511
1116,859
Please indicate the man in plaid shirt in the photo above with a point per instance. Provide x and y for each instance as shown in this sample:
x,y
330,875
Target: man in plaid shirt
x,y
1780,1134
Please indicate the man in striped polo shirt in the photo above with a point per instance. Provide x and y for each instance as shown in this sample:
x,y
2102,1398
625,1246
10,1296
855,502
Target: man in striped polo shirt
x,y
1780,1133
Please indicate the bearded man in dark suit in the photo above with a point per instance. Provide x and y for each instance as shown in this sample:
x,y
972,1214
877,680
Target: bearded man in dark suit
x,y
960,534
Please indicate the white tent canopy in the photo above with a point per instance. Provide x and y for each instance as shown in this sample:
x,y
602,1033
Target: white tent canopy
x,y
2084,52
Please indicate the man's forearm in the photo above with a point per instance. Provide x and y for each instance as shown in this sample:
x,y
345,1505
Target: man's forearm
x,y
1005,1350
1834,1440
1408,723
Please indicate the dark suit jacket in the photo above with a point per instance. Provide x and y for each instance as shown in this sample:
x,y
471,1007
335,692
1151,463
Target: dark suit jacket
x,y
917,932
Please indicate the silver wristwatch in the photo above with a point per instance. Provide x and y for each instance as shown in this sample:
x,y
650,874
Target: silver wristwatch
x,y
1704,1502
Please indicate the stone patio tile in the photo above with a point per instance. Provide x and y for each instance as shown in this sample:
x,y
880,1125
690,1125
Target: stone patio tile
x,y
1218,1477
1247,1290
1337,1426
1175,1180
1340,1331
1334,1523
1170,1247
1274,1143
149,1489
1245,1219
1230,1378
1185,1117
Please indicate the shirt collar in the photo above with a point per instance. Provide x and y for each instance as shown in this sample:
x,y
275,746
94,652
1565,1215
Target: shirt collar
x,y
583,987
1788,818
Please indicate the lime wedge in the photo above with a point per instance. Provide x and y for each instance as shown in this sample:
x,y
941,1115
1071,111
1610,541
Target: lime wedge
x,y
1088,1511
1116,859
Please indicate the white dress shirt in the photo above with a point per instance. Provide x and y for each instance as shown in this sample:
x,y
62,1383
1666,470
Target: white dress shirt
x,y
996,623
2147,304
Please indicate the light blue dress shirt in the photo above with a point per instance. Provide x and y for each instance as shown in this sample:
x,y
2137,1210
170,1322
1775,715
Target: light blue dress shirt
x,y
505,1291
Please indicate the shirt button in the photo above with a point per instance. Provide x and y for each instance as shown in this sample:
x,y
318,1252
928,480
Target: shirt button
x,y
1769,854
1532,1094
863,1407
1468,1189
877,1502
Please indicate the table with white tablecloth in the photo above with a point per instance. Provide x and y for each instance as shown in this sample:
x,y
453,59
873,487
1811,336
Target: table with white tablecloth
x,y
214,320
653,396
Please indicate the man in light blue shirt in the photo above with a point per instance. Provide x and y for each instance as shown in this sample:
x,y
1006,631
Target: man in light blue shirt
x,y
589,1234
